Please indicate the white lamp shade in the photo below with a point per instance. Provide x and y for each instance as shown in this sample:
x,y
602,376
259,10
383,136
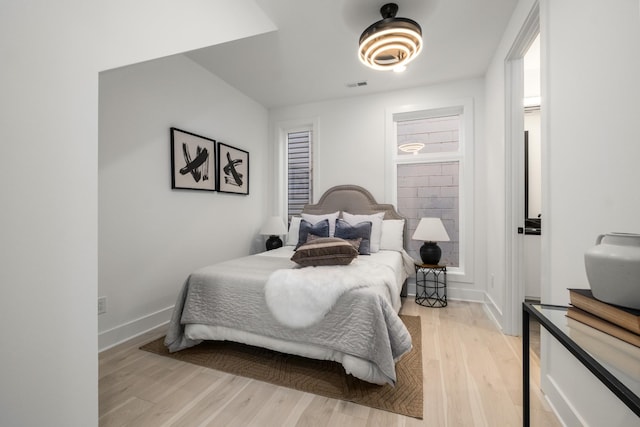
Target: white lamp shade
x,y
431,230
273,227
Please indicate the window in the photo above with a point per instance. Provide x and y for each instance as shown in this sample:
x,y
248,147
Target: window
x,y
429,187
299,171
429,152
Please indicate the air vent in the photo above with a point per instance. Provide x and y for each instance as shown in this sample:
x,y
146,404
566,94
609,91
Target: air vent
x,y
357,84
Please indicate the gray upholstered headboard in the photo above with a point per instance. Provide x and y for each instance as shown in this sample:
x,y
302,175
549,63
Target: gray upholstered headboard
x,y
353,199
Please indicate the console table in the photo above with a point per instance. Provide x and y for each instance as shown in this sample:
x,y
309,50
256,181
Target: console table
x,y
553,319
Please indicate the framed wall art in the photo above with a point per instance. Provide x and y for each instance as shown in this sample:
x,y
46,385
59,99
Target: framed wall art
x,y
233,169
193,161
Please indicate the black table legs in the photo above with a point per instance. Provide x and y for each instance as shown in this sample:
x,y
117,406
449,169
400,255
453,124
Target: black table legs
x,y
526,403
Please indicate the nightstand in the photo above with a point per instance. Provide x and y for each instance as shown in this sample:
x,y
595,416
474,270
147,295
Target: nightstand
x,y
431,285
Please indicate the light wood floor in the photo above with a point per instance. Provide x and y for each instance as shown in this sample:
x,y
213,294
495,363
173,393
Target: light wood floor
x,y
472,377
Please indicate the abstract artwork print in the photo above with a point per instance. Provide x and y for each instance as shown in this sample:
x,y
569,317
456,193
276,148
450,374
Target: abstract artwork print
x,y
233,169
193,161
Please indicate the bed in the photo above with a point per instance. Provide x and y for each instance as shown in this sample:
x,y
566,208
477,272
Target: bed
x,y
346,313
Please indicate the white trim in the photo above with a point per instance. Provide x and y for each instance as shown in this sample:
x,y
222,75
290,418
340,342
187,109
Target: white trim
x,y
561,406
407,159
454,293
514,167
491,315
465,294
465,156
545,260
494,311
514,195
409,113
496,308
134,328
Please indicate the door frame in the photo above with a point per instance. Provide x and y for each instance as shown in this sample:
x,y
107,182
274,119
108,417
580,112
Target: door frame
x,y
514,172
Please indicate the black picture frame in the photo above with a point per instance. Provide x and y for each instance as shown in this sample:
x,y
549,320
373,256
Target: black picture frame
x,y
233,169
193,161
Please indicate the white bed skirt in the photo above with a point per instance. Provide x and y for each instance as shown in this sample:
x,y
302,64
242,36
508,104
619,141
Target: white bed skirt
x,y
355,366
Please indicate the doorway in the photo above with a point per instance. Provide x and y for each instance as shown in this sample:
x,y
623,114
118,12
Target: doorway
x,y
516,268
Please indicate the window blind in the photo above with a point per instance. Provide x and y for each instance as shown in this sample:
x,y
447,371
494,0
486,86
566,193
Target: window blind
x,y
299,171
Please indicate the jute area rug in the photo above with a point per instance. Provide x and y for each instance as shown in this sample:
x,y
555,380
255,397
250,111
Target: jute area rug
x,y
320,377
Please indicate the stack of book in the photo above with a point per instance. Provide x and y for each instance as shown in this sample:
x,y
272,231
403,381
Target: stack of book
x,y
620,322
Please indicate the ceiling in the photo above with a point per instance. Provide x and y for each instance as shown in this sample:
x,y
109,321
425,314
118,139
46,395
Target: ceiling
x,y
313,54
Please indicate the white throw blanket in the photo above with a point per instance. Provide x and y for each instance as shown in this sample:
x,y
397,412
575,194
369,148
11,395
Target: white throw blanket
x,y
301,297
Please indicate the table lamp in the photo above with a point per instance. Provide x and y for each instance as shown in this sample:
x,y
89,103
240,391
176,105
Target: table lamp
x,y
274,228
430,231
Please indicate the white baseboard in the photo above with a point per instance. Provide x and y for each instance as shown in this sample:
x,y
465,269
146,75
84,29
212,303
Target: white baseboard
x,y
465,294
493,311
126,331
566,413
453,293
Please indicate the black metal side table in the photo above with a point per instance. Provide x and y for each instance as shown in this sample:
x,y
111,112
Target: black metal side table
x,y
431,285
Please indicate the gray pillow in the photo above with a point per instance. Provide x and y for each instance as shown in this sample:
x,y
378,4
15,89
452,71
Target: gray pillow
x,y
320,229
362,230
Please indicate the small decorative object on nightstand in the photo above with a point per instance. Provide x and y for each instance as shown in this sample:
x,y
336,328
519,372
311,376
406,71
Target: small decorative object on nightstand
x,y
274,227
431,285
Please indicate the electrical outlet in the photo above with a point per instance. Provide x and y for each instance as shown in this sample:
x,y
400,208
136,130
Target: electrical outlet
x,y
102,305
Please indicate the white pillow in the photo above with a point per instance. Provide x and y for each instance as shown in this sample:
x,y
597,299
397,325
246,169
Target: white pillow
x,y
376,226
294,230
392,235
313,219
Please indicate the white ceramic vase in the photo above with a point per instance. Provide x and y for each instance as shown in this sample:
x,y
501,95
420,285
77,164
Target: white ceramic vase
x,y
613,269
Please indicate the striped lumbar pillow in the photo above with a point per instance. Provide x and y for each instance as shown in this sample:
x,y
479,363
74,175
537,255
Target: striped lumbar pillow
x,y
325,251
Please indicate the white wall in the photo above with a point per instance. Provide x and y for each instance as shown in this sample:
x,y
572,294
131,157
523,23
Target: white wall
x,y
495,163
590,63
51,54
151,237
351,148
593,90
593,96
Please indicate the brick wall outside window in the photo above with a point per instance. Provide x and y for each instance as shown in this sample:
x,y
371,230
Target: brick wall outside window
x,y
439,134
430,189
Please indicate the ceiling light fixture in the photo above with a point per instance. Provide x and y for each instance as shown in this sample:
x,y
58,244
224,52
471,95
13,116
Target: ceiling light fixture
x,y
411,147
391,43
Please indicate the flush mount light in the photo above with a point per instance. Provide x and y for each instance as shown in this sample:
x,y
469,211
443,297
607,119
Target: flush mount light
x,y
391,43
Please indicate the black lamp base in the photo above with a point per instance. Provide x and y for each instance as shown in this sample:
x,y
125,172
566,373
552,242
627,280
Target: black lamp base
x,y
430,253
274,242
